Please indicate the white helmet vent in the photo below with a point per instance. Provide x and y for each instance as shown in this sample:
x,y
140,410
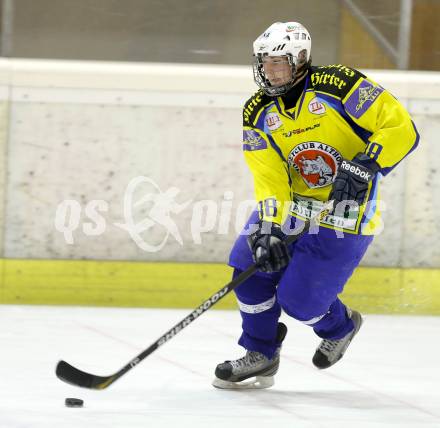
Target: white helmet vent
x,y
278,48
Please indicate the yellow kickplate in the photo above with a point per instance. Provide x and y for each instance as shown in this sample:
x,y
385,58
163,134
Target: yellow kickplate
x,y
185,285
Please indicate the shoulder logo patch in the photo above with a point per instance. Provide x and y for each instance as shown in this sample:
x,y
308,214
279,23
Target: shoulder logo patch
x,y
253,141
362,98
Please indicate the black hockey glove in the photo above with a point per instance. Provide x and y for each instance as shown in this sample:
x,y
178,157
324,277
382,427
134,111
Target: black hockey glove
x,y
352,179
268,248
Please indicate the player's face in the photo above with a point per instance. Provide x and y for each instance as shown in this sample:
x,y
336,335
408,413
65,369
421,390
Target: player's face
x,y
277,70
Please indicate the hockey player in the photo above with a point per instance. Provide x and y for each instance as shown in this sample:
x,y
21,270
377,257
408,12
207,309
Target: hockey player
x,y
310,134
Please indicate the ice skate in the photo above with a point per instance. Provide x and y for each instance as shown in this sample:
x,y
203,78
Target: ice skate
x,y
253,371
329,352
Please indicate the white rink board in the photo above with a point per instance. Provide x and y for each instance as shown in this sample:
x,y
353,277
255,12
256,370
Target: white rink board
x,y
388,378
83,130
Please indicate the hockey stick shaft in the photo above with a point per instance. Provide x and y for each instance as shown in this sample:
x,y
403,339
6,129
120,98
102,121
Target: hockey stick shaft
x,y
74,376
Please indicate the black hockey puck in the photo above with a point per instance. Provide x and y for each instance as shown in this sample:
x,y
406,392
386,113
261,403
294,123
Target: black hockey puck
x,y
74,402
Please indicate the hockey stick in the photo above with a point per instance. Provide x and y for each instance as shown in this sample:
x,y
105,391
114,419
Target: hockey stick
x,y
74,376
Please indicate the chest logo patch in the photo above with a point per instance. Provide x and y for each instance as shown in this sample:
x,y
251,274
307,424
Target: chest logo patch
x,y
317,163
316,107
273,121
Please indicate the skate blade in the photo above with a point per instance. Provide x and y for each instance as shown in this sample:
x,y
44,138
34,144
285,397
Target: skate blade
x,y
258,382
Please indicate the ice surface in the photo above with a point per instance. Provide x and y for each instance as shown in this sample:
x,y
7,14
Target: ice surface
x,y
390,376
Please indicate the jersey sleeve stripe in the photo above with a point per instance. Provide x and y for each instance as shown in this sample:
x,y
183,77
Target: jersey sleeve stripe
x,y
276,148
371,202
260,122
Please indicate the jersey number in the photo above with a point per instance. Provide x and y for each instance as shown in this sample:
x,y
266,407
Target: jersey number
x,y
374,150
268,207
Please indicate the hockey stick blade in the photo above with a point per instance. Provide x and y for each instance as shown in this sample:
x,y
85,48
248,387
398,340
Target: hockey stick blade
x,y
74,376
69,374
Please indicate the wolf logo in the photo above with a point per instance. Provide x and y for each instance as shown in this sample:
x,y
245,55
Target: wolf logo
x,y
317,166
315,162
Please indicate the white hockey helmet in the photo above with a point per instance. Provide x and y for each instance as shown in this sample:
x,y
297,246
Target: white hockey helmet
x,y
289,39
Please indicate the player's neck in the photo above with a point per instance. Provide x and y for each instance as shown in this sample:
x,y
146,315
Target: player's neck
x,y
291,98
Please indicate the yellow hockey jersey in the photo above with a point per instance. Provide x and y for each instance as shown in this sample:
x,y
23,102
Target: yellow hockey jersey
x,y
294,153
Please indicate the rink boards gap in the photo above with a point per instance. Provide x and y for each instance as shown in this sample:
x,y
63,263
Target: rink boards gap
x,y
186,285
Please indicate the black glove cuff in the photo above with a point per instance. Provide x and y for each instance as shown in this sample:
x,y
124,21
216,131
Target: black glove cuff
x,y
367,162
